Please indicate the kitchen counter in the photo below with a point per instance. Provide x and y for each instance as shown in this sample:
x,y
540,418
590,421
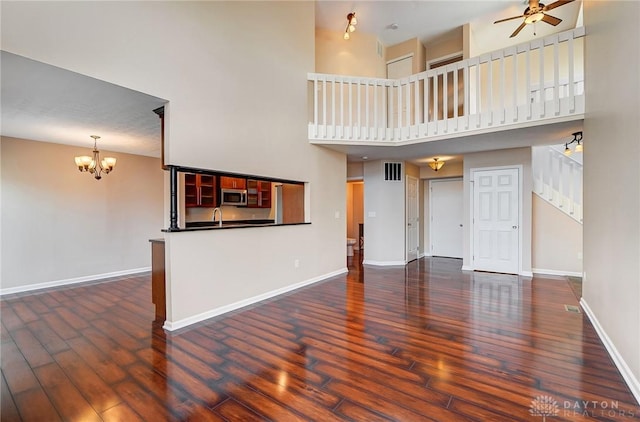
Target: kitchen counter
x,y
231,224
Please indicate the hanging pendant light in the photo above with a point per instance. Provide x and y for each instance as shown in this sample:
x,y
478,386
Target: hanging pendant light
x,y
93,164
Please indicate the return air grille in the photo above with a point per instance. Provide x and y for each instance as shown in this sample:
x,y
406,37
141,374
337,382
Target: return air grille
x,y
393,172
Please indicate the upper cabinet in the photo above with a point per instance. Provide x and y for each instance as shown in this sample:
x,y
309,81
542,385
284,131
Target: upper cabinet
x,y
199,190
258,194
227,182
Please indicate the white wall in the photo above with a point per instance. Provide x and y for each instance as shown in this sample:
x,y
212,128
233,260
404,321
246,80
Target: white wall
x,y
59,225
237,103
611,287
384,217
557,240
506,157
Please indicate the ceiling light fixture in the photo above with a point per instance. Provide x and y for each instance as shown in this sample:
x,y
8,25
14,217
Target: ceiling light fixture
x,y
351,25
577,137
93,164
436,165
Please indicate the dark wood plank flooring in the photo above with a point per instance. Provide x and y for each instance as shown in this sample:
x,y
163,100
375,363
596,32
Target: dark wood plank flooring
x,y
425,342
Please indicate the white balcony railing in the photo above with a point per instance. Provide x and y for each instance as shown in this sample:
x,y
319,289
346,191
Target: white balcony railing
x,y
530,82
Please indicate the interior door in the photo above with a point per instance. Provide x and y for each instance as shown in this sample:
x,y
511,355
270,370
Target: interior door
x,y
446,204
496,220
412,218
395,70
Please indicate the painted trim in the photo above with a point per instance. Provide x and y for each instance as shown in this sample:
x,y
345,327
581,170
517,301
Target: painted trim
x,y
525,274
384,263
69,281
172,326
466,268
556,272
397,59
444,58
632,382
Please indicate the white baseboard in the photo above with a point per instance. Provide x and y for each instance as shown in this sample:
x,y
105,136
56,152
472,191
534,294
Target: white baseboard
x,y
466,268
627,374
176,325
556,272
68,281
526,274
384,263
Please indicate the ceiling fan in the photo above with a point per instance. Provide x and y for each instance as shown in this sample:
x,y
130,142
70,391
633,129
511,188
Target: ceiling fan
x,y
535,13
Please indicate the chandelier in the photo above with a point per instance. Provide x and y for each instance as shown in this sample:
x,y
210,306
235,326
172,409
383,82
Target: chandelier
x,y
351,25
93,164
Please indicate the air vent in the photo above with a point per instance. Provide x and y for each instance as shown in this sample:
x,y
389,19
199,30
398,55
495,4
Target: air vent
x,y
393,172
572,308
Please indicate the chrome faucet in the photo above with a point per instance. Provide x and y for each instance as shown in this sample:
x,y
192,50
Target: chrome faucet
x,y
213,217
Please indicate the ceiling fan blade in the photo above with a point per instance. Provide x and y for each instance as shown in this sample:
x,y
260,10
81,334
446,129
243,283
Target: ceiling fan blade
x,y
551,20
511,18
556,4
522,25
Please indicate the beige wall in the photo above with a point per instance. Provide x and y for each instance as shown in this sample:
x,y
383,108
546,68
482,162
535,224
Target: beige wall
x,y
611,287
355,171
60,225
502,158
357,56
412,46
237,103
451,44
384,217
557,240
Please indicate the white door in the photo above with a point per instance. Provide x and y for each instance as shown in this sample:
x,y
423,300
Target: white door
x,y
445,203
412,218
395,70
496,220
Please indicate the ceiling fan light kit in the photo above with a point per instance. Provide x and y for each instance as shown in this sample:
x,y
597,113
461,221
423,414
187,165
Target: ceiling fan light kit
x,y
536,12
351,25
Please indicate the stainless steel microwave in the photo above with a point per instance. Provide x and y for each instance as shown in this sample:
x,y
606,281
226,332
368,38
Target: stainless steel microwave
x,y
236,197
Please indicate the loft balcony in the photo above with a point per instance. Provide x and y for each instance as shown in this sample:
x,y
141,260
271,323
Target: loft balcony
x,y
534,83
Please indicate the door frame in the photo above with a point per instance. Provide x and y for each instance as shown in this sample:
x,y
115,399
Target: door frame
x,y
430,222
409,179
472,172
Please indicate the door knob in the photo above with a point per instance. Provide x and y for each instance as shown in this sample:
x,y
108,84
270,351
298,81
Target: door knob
x,y
515,227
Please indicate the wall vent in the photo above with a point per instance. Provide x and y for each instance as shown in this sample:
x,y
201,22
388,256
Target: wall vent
x,y
393,172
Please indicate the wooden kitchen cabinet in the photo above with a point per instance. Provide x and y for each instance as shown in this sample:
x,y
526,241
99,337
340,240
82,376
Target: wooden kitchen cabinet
x,y
227,182
199,190
258,194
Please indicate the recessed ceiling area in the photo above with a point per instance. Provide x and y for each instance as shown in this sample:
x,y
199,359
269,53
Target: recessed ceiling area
x,y
45,103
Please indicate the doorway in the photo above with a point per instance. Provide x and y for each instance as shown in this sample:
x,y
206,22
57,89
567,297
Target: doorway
x,y
355,213
496,220
446,211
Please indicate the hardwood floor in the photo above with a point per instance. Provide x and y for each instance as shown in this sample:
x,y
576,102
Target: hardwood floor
x,y
425,342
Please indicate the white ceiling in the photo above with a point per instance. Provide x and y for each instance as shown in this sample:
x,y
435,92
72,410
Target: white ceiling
x,y
433,20
45,103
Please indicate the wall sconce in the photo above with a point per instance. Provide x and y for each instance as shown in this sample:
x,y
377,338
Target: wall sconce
x,y
577,137
436,165
351,25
